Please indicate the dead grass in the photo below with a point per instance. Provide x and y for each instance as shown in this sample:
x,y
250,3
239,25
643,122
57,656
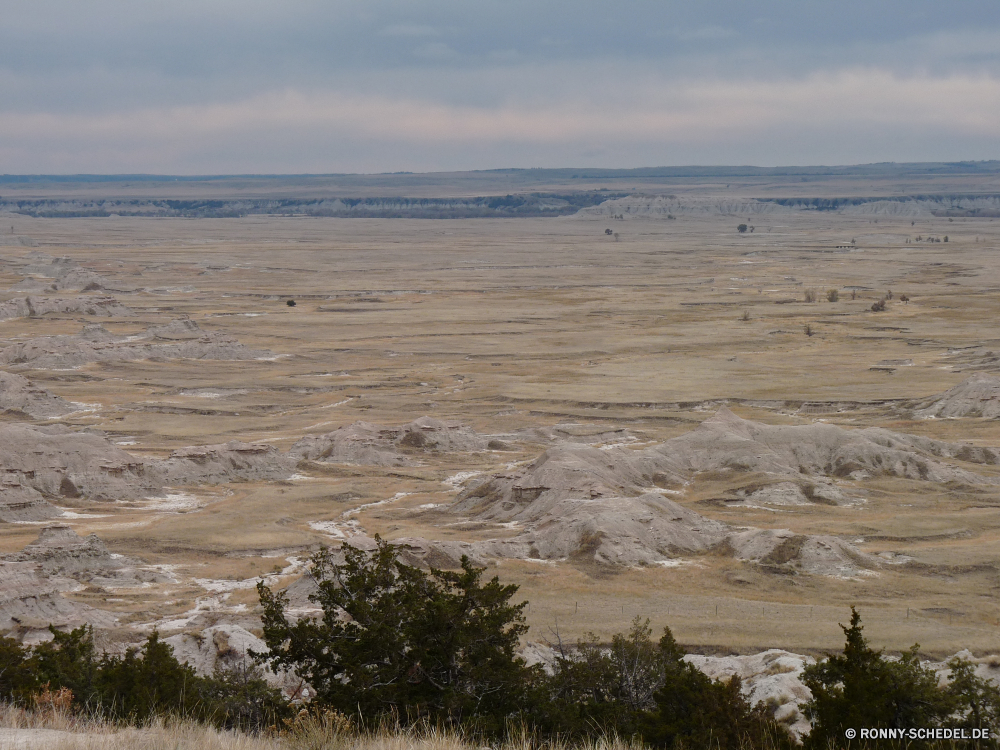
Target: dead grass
x,y
308,732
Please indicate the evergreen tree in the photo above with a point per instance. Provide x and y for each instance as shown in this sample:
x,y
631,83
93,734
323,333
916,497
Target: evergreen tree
x,y
976,700
70,661
17,678
397,640
693,710
861,688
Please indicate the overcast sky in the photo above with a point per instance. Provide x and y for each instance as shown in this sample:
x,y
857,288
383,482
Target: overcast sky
x,y
246,86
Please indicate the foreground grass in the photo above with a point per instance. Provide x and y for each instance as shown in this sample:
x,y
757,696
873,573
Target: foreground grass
x,y
58,730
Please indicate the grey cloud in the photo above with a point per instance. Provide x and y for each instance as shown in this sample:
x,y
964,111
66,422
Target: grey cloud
x,y
409,30
87,70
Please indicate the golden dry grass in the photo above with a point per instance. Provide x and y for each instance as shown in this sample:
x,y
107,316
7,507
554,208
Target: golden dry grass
x,y
22,730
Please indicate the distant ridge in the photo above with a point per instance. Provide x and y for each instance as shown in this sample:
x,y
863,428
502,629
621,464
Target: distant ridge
x,y
885,169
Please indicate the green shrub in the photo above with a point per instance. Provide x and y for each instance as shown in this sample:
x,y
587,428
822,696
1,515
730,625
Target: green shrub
x,y
238,697
17,678
149,682
861,688
637,687
976,701
437,645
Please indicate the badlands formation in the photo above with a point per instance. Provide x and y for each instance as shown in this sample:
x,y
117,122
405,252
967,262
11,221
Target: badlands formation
x,y
673,420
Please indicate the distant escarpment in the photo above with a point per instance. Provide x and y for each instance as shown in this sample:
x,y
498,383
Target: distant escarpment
x,y
520,205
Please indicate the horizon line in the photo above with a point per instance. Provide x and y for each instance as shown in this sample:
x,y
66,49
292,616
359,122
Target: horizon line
x,y
979,166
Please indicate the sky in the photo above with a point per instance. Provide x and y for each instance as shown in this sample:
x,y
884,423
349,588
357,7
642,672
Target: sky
x,y
325,86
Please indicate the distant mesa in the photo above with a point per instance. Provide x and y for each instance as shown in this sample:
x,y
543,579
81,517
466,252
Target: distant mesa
x,y
521,205
668,206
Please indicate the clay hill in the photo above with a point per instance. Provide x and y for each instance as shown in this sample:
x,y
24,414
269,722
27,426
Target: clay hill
x,y
41,463
60,551
21,397
976,396
810,457
46,274
607,505
180,339
31,600
368,444
107,307
33,580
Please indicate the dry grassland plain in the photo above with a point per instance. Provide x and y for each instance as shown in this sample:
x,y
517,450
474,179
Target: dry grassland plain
x,y
511,324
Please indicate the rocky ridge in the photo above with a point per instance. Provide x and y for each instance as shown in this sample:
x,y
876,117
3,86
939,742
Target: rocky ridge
x,y
20,395
976,396
368,444
182,339
607,504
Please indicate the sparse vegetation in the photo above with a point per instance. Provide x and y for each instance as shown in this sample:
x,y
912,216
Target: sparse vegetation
x,y
878,306
809,295
745,316
832,295
741,228
808,329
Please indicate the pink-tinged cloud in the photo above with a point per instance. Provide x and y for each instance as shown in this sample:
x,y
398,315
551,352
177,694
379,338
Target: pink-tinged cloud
x,y
338,131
